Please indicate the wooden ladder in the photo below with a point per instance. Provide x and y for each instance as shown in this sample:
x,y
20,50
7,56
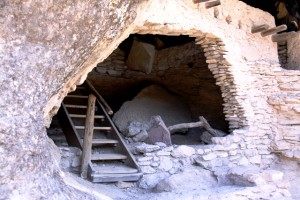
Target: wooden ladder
x,y
84,118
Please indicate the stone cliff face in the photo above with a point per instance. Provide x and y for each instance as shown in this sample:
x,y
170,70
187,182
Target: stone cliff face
x,y
43,47
47,49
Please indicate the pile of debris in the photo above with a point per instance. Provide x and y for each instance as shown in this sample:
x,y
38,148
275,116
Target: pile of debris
x,y
146,117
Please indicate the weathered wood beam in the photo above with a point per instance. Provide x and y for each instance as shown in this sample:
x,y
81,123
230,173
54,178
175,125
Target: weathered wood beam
x,y
202,123
212,4
88,136
260,28
176,127
283,36
274,30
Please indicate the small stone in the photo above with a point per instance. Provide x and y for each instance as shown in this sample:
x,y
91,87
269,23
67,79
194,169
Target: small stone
x,y
141,136
165,163
135,128
148,170
170,148
200,151
143,159
65,164
147,148
155,164
112,72
183,151
222,154
273,175
209,156
243,161
148,154
244,176
255,159
101,70
156,159
207,150
76,162
123,185
233,152
149,181
163,153
161,144
145,163
173,170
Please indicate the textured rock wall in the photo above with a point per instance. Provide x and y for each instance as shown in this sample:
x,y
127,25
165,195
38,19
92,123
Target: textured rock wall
x,y
293,49
44,51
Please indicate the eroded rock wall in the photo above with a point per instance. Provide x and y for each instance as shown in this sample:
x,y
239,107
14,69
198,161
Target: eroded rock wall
x,y
44,49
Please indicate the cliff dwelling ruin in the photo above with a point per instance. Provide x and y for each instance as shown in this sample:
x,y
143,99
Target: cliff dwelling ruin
x,y
91,89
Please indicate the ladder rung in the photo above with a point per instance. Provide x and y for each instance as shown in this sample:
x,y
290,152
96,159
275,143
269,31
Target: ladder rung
x,y
104,141
74,106
200,1
80,88
108,156
106,128
84,116
211,4
77,96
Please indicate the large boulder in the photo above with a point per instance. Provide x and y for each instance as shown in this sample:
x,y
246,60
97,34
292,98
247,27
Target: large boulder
x,y
152,101
158,132
141,57
190,179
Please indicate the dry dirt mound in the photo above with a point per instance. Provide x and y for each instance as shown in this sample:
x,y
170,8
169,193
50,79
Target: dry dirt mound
x,y
151,101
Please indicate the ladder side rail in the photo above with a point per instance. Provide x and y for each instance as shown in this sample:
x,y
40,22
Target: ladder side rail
x,y
88,136
68,127
99,97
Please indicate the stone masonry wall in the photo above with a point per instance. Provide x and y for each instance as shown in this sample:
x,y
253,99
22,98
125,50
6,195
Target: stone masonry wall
x,y
286,101
247,79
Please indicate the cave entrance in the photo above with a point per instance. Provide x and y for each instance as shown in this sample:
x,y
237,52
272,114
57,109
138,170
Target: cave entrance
x,y
178,77
175,64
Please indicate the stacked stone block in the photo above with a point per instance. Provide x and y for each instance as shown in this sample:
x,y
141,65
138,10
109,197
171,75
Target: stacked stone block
x,y
214,50
286,101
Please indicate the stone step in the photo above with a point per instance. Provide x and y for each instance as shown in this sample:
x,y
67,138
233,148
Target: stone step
x,y
104,141
113,168
107,156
